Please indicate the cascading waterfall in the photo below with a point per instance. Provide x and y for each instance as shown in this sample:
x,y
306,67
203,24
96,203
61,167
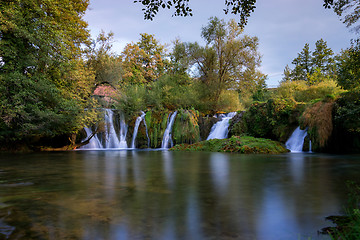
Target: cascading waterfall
x,y
220,129
111,139
167,133
296,141
137,124
123,132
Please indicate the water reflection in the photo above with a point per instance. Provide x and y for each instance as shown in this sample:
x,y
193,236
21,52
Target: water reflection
x,y
220,171
169,195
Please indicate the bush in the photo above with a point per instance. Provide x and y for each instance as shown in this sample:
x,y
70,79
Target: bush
x,y
301,92
274,119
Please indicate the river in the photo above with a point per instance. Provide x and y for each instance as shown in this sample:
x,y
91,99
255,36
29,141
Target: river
x,y
171,195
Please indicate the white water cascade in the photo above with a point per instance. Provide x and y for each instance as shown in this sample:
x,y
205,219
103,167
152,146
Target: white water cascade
x,y
296,141
220,129
112,141
136,128
167,133
109,139
123,132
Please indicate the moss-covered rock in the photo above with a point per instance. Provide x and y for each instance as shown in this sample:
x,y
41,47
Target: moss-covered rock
x,y
205,125
244,144
156,122
186,127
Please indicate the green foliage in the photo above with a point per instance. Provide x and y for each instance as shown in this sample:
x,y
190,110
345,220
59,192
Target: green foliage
x,y
273,119
186,128
349,67
244,144
156,122
143,62
44,83
300,91
347,112
230,60
312,67
106,65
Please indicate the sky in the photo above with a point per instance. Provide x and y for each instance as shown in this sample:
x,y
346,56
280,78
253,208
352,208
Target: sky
x,y
282,26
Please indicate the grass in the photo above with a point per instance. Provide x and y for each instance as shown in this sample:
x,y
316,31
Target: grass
x,y
244,144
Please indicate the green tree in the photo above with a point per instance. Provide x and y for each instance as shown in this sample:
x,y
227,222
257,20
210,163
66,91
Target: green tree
x,y
349,67
143,62
302,64
322,58
104,62
44,84
228,61
310,66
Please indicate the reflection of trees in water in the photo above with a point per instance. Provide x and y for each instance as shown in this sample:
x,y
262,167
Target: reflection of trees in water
x,y
169,195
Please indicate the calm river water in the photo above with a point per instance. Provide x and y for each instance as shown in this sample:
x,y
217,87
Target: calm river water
x,y
171,195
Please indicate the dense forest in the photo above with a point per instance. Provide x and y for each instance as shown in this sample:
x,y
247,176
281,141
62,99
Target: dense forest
x,y
50,68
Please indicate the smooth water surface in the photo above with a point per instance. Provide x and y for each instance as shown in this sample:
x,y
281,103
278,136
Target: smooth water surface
x,y
170,195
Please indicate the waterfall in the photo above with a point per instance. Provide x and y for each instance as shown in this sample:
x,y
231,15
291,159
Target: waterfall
x,y
296,141
111,139
94,142
123,132
220,129
137,124
167,133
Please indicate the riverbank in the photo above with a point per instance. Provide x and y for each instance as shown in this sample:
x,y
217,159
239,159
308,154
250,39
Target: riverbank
x,y
244,144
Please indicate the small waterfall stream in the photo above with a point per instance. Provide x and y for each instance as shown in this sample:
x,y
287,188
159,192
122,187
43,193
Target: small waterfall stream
x,y
123,132
296,141
136,128
167,133
220,129
109,139
112,140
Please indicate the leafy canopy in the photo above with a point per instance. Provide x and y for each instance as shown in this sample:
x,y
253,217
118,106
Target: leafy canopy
x,y
44,83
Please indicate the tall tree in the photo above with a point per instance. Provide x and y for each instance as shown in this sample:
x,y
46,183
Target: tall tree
x,y
322,58
349,67
302,64
228,61
105,63
318,64
44,85
143,62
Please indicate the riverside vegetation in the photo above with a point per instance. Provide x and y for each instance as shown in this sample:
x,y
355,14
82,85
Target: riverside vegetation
x,y
47,94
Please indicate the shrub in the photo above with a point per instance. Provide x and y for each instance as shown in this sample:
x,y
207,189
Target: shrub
x,y
318,117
